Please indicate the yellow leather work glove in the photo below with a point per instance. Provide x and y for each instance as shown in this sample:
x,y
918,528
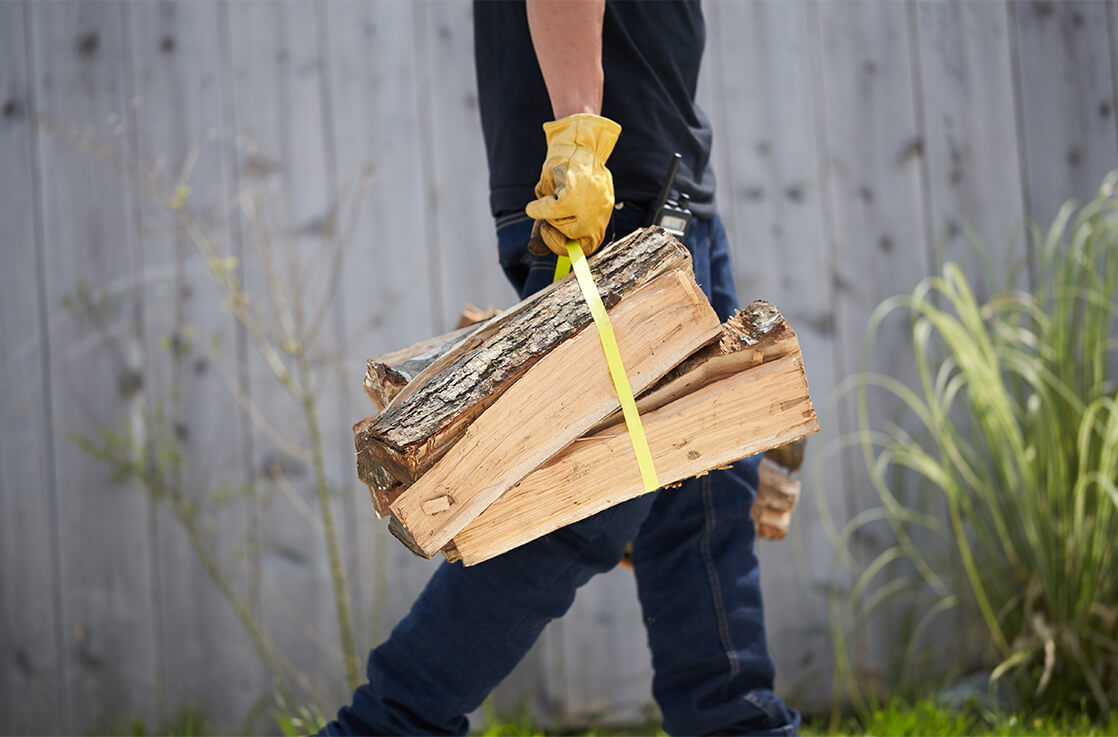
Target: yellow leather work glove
x,y
575,190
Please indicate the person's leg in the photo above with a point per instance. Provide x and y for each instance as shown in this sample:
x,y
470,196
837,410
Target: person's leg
x,y
471,626
700,591
699,582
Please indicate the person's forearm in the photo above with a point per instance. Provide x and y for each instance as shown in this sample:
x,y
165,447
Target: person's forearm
x,y
567,36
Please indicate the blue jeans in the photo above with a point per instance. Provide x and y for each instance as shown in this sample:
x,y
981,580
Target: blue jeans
x,y
697,580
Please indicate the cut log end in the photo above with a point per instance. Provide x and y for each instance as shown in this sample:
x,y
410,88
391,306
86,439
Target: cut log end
x,y
777,495
759,321
773,527
472,314
382,383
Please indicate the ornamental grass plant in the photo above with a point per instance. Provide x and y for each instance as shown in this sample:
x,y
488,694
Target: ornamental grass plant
x,y
1000,482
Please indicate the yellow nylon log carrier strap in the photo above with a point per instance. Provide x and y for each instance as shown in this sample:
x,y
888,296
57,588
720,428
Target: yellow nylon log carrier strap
x,y
577,259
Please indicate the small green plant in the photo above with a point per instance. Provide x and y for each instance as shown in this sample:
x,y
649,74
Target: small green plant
x,y
519,724
283,319
926,717
1013,432
296,720
185,723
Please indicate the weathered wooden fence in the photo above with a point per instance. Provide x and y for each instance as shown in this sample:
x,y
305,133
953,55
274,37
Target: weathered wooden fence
x,y
854,140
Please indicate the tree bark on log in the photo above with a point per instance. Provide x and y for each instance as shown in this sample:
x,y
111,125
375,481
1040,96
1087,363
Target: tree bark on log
x,y
432,412
387,375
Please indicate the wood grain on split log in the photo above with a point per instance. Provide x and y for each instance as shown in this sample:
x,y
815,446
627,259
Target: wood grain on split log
x,y
556,401
716,424
424,419
750,337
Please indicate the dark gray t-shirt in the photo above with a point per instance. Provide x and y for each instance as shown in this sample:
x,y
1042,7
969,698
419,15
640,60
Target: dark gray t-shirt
x,y
651,53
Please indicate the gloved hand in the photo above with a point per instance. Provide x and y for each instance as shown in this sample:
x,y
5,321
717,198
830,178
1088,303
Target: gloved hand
x,y
575,190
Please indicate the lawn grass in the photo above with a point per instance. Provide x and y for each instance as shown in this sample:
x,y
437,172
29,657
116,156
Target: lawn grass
x,y
897,719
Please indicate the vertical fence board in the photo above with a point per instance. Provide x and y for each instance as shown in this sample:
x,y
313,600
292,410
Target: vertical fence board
x,y
462,230
91,265
1066,95
972,137
974,189
287,200
179,132
385,287
312,186
774,197
872,153
30,674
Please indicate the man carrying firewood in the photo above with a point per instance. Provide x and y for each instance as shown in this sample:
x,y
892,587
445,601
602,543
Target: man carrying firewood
x,y
610,81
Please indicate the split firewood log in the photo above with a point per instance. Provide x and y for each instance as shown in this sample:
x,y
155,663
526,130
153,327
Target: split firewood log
x,y
472,421
756,329
540,351
729,403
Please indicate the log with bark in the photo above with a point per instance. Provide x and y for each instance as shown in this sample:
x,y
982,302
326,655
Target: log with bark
x,y
747,395
475,438
526,385
387,375
557,400
758,328
439,402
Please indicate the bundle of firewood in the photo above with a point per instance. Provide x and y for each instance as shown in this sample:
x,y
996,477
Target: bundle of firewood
x,y
505,430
